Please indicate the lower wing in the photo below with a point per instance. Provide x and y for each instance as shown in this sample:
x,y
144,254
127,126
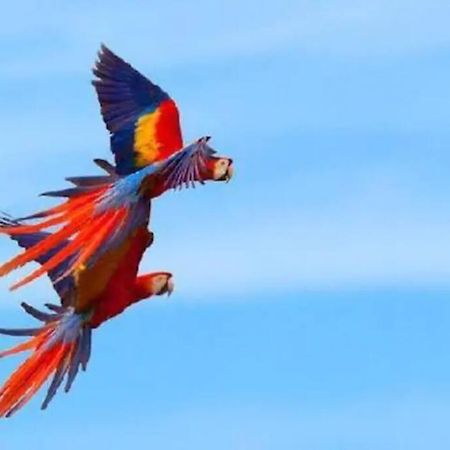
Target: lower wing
x,y
92,220
100,212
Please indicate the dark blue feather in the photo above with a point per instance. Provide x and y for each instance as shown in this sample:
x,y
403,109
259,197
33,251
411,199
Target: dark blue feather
x,y
29,240
124,96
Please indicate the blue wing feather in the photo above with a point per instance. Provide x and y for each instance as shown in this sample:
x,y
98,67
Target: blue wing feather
x,y
26,241
124,96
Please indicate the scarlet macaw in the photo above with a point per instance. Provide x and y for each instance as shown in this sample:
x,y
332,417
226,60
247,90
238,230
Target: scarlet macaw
x,y
101,212
62,345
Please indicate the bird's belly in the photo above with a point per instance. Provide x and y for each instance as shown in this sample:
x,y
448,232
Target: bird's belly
x,y
115,291
92,281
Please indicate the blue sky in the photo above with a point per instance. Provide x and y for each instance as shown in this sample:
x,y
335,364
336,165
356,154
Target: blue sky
x,y
312,305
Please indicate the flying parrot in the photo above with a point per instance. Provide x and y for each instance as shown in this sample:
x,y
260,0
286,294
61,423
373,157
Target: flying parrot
x,y
101,212
62,344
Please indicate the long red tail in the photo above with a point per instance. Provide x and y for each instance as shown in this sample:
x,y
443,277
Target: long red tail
x,y
59,348
80,223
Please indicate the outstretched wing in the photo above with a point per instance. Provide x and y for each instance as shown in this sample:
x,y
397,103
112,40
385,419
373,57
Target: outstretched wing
x,y
187,166
142,119
26,241
94,219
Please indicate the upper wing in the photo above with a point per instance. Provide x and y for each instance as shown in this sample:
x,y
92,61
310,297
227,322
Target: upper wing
x,y
142,119
26,241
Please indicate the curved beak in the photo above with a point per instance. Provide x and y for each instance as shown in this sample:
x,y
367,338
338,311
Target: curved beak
x,y
230,172
170,286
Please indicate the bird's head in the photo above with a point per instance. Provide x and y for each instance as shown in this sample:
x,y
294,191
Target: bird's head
x,y
220,169
155,283
161,283
216,168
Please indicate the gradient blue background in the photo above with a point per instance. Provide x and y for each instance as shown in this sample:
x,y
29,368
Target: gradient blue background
x,y
312,308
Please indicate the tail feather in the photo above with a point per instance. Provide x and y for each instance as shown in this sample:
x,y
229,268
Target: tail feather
x,y
106,166
89,181
86,348
37,314
37,370
57,380
59,348
63,208
33,343
73,367
70,192
42,246
58,258
55,308
84,230
102,229
26,229
19,331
